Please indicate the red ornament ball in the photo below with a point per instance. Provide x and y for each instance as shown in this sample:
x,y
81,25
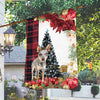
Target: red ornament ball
x,y
38,81
73,83
32,82
63,83
56,82
46,83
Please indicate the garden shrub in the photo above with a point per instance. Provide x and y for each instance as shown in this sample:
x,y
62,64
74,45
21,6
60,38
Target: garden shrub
x,y
87,76
95,90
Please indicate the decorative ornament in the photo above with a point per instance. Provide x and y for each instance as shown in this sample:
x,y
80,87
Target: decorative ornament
x,y
35,19
66,87
68,14
27,84
56,82
71,75
42,17
33,86
71,69
75,72
71,14
64,12
46,83
60,79
67,80
38,81
59,24
74,35
30,87
63,83
68,83
73,83
71,63
73,44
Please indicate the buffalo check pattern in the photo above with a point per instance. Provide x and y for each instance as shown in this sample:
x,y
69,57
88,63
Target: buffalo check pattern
x,y
32,42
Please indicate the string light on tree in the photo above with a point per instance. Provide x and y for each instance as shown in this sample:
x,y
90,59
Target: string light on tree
x,y
52,64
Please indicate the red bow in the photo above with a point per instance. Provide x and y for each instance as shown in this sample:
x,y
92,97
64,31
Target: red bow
x,y
60,24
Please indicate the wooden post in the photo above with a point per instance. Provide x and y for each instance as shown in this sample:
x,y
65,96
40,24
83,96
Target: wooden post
x,y
42,94
2,16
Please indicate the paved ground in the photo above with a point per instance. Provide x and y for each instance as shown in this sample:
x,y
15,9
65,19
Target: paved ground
x,y
74,98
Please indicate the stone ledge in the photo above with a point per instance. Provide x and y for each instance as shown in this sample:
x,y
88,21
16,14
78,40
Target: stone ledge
x,y
85,92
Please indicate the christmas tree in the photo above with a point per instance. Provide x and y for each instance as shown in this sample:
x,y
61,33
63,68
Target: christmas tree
x,y
52,68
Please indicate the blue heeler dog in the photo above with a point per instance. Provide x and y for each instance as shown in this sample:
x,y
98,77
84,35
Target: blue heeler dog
x,y
40,62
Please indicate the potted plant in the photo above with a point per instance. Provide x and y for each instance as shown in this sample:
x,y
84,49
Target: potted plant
x,y
95,90
78,88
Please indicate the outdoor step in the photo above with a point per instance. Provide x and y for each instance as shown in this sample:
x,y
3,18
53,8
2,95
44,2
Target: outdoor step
x,y
85,92
73,98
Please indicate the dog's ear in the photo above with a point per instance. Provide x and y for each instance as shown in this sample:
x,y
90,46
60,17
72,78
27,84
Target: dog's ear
x,y
48,47
38,48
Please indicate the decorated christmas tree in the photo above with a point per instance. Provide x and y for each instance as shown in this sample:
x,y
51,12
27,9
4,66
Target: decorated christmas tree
x,y
52,68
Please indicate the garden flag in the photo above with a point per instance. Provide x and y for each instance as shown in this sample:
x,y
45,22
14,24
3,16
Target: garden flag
x,y
51,60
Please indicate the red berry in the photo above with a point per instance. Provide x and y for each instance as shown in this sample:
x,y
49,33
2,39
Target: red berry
x,y
41,87
42,17
69,34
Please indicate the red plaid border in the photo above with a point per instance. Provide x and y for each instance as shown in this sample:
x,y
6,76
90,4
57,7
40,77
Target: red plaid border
x,y
32,42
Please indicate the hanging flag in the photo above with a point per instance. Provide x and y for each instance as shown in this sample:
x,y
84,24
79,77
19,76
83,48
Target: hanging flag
x,y
47,52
